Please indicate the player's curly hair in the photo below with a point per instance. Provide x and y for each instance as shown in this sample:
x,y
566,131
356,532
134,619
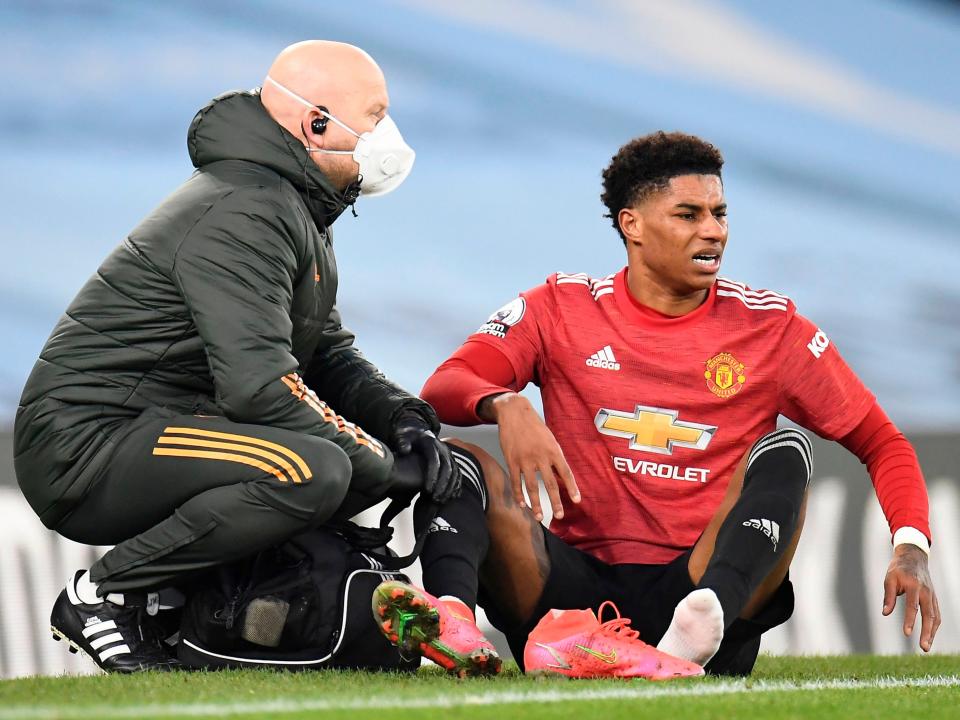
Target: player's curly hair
x,y
648,163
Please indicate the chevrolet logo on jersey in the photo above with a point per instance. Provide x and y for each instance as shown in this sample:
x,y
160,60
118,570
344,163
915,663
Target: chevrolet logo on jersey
x,y
655,430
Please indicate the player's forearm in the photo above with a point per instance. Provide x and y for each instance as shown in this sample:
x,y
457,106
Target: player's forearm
x,y
896,475
898,481
457,392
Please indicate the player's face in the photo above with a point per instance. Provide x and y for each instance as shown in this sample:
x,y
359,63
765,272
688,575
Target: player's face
x,y
678,234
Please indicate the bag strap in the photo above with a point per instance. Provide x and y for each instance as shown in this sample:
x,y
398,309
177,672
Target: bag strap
x,y
368,538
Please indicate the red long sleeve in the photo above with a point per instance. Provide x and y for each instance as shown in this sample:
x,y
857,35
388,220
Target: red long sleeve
x,y
473,372
894,470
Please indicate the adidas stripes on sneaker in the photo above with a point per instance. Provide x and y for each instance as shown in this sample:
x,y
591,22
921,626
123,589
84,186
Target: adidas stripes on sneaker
x,y
118,638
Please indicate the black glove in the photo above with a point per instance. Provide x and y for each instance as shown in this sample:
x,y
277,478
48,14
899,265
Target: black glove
x,y
406,477
412,437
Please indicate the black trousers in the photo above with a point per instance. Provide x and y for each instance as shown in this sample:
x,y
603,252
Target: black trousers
x,y
181,493
647,594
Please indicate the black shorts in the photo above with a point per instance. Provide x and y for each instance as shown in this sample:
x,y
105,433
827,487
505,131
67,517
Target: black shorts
x,y
647,594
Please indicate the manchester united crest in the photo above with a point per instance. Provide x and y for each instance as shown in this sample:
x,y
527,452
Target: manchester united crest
x,y
725,375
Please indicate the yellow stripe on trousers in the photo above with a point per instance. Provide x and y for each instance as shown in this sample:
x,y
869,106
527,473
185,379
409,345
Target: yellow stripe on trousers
x,y
266,454
304,470
213,455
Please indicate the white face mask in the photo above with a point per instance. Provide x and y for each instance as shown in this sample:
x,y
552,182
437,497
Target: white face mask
x,y
384,158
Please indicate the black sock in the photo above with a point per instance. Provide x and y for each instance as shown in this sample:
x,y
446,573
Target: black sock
x,y
458,537
761,524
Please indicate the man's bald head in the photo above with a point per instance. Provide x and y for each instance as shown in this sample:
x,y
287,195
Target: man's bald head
x,y
343,79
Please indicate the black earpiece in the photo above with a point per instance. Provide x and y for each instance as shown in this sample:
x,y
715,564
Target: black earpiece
x,y
319,125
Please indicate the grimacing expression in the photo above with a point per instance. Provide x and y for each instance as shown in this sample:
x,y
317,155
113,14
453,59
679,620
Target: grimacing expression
x,y
680,232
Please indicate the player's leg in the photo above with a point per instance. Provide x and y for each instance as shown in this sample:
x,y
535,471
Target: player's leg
x,y
704,549
516,566
526,573
484,537
526,570
457,539
440,623
178,495
740,563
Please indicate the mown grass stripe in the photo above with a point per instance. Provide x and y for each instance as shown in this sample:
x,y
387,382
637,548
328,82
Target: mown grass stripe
x,y
581,693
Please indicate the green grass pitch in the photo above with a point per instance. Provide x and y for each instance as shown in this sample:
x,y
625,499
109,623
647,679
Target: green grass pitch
x,y
781,688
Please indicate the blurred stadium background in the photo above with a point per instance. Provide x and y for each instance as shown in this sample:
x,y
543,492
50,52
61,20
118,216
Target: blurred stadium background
x,y
840,124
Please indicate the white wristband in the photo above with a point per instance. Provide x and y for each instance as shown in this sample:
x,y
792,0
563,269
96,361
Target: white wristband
x,y
911,536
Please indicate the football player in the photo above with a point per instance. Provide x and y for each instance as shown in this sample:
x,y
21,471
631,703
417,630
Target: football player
x,y
673,492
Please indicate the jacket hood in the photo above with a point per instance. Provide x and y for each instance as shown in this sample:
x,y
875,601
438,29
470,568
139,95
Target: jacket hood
x,y
236,126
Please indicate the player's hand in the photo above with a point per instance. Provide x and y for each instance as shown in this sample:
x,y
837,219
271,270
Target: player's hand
x,y
441,475
909,575
529,447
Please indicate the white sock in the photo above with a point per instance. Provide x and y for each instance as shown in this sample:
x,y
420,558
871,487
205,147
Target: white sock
x,y
87,590
697,628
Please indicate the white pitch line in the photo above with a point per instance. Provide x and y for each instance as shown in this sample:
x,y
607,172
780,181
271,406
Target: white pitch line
x,y
452,700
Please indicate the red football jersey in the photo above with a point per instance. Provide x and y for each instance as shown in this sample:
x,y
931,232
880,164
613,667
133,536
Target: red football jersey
x,y
653,413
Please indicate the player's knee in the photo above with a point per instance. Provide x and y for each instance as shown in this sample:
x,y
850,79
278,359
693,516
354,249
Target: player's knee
x,y
494,478
783,456
473,478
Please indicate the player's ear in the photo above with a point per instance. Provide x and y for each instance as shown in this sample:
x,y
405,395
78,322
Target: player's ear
x,y
631,225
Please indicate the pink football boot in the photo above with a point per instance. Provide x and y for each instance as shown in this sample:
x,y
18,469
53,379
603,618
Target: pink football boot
x,y
443,631
574,643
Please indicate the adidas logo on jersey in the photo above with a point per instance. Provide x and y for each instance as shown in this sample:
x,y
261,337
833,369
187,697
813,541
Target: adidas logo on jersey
x,y
768,528
441,525
603,359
